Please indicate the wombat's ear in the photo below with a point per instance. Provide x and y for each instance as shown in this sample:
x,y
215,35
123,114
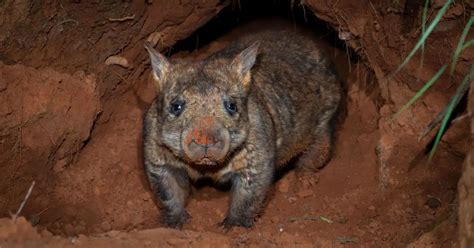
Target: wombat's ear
x,y
244,61
159,64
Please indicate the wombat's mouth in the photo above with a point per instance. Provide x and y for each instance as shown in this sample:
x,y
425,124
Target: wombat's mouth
x,y
207,162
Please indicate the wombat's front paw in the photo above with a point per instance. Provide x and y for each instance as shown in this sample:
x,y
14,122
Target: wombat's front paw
x,y
176,220
230,222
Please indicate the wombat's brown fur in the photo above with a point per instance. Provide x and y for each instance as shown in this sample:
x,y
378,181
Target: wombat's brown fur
x,y
236,117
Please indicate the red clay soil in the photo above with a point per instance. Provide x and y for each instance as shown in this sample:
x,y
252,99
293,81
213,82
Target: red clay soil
x,y
73,125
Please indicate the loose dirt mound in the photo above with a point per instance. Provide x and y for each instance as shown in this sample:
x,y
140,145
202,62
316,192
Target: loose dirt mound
x,y
46,119
20,233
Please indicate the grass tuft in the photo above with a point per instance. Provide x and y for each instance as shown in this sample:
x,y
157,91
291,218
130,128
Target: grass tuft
x,y
444,116
425,35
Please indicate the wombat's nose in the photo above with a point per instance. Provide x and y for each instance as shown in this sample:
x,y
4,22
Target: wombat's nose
x,y
206,137
206,142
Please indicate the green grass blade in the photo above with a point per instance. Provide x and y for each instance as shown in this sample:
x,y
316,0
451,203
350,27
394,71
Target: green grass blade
x,y
421,91
423,28
425,35
460,47
451,106
467,44
439,117
424,16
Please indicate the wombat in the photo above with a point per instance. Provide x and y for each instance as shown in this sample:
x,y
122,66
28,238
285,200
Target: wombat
x,y
236,117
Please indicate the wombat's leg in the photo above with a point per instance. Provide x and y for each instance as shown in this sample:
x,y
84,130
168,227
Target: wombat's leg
x,y
171,186
318,153
249,188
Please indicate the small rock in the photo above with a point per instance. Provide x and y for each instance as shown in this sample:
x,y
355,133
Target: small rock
x,y
46,234
219,213
342,220
346,240
305,193
145,197
284,185
371,208
117,60
275,219
113,233
105,226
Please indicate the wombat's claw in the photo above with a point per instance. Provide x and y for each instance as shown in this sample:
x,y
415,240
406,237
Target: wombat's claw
x,y
228,223
223,226
176,221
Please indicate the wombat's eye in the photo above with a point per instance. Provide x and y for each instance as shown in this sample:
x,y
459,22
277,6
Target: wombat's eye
x,y
230,106
177,107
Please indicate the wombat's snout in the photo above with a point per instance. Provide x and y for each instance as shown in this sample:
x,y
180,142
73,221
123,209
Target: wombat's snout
x,y
206,142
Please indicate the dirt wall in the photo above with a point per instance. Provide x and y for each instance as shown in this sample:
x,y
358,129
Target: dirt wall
x,y
465,191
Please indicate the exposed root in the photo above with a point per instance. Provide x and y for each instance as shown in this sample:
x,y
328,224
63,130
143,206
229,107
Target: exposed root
x,y
15,216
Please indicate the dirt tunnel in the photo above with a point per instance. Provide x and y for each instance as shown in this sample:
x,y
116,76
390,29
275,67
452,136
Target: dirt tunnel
x,y
74,84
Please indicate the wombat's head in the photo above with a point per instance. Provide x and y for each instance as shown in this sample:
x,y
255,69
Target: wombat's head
x,y
203,106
